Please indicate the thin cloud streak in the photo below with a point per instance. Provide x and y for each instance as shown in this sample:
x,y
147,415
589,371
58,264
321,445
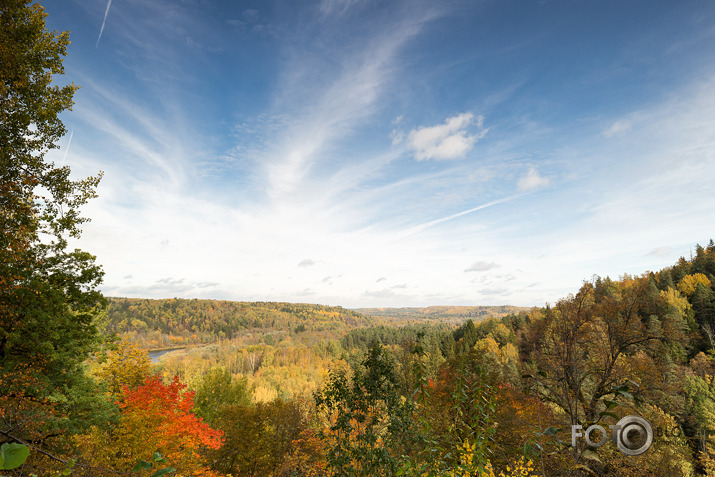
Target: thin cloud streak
x,y
67,149
432,223
104,21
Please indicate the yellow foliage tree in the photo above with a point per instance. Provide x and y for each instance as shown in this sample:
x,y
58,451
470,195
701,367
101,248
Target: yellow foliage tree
x,y
669,455
470,466
499,360
689,283
126,365
676,301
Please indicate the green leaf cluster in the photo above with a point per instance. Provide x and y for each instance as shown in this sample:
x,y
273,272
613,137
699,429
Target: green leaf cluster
x,y
13,455
158,459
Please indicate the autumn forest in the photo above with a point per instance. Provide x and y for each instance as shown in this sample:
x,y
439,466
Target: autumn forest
x,y
297,389
104,386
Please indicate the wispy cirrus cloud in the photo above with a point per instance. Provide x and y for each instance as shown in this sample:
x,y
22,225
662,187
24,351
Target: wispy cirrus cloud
x,y
663,251
337,7
155,142
346,93
618,127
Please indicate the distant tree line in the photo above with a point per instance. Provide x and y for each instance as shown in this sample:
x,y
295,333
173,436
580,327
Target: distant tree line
x,y
201,321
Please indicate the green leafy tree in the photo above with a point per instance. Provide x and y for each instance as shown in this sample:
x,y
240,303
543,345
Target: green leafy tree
x,y
48,295
370,425
257,439
218,388
701,418
594,350
458,415
703,303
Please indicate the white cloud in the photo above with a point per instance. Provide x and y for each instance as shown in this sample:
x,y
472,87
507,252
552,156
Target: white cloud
x,y
165,287
532,180
384,294
306,263
494,291
445,141
661,252
481,266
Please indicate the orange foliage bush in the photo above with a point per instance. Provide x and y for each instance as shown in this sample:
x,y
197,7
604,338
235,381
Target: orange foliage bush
x,y
154,417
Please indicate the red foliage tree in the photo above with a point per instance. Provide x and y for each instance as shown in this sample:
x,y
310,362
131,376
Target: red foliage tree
x,y
154,417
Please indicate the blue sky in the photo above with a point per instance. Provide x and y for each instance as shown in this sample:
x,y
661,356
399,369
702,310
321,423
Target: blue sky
x,y
389,153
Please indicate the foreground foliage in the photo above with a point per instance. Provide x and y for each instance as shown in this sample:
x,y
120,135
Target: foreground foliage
x,y
48,291
155,417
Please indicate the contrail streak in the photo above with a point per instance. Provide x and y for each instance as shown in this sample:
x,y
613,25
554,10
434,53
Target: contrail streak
x,y
69,142
421,227
101,30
